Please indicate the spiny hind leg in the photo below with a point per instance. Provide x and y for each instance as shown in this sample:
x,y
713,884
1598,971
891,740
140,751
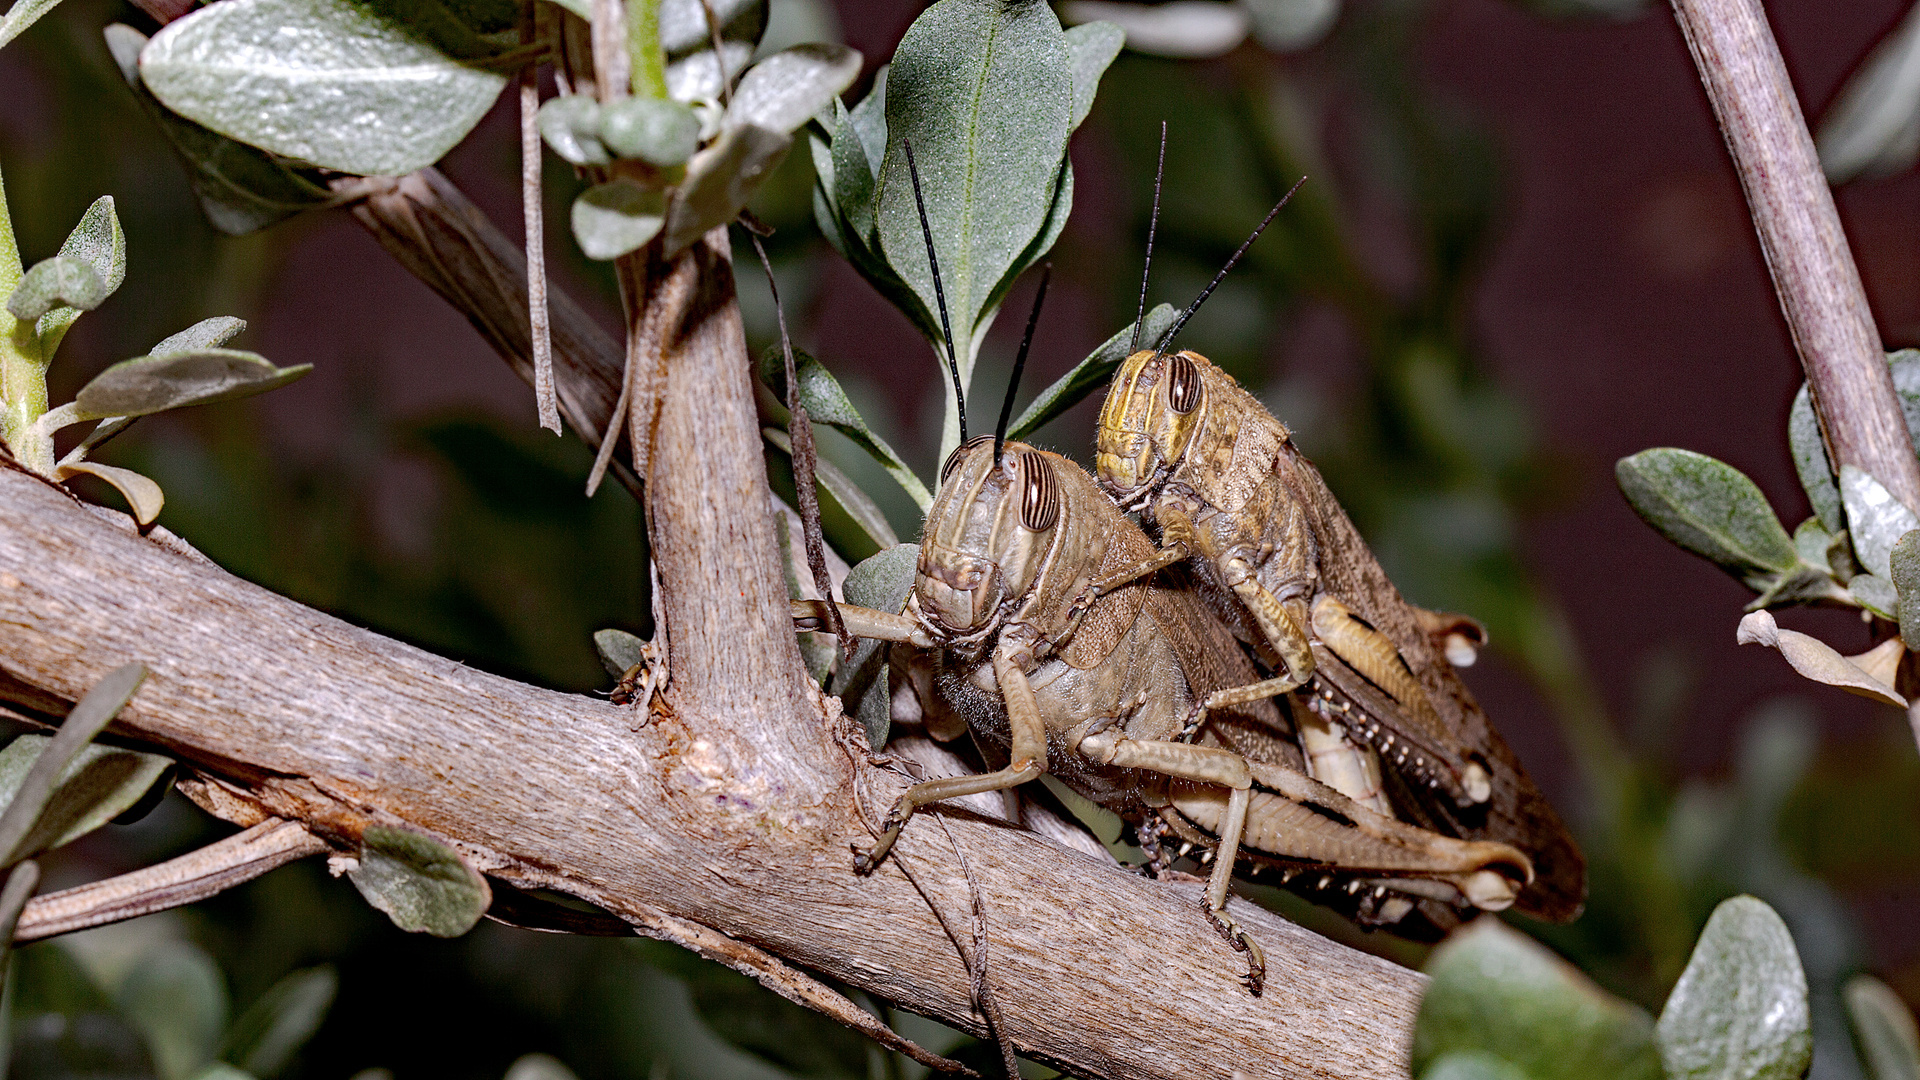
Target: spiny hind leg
x,y
1209,765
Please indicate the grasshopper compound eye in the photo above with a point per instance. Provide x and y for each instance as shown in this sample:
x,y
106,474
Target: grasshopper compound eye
x,y
1183,383
953,459
1039,494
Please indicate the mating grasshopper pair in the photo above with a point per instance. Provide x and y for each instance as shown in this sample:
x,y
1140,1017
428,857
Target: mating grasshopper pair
x,y
1073,645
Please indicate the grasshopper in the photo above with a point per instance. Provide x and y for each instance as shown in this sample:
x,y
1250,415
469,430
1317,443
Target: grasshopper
x,y
1095,688
1202,460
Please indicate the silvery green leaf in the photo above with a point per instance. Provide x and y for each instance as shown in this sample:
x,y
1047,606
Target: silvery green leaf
x,y
423,885
881,583
656,131
205,334
1803,585
1810,454
701,77
241,188
570,126
1092,47
984,92
177,998
97,785
1290,25
783,91
1709,508
1883,1029
98,243
151,384
1182,29
265,1037
1875,593
1875,519
1497,992
22,14
858,504
62,281
1873,126
44,776
720,179
796,22
1904,565
619,651
538,1067
1090,374
1740,1009
1813,543
1472,1065
375,88
22,881
144,497
684,28
826,403
614,218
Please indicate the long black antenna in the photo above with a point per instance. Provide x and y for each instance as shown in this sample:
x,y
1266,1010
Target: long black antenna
x,y
1167,337
1153,223
939,291
1020,362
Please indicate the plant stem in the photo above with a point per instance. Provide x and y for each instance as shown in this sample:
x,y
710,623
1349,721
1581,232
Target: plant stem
x,y
1806,251
644,54
23,371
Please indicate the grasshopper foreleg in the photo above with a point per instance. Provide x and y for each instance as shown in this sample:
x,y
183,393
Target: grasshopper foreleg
x,y
1029,757
1206,764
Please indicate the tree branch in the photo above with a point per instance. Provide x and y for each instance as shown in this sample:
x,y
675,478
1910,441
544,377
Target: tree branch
x,y
1806,251
735,821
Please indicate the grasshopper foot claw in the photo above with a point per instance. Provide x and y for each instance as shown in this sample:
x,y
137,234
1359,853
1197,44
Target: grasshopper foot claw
x,y
1255,979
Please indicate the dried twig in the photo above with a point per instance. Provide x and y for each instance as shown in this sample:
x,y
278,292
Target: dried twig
x,y
535,227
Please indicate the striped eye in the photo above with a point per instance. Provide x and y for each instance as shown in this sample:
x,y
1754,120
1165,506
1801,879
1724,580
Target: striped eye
x,y
953,459
1183,383
1039,497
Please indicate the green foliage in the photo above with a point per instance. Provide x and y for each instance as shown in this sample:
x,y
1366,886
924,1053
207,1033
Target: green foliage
x,y
55,790
826,403
177,999
1884,1028
423,885
376,88
263,1040
174,380
1740,1009
1089,376
881,583
1904,567
653,130
1711,509
619,216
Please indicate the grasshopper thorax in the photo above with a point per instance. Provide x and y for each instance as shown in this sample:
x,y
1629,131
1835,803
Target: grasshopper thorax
x,y
1156,404
986,540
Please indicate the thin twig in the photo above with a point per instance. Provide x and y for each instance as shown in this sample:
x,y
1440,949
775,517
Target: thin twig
x,y
535,228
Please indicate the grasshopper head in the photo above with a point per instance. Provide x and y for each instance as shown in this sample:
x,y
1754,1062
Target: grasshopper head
x,y
1155,405
986,537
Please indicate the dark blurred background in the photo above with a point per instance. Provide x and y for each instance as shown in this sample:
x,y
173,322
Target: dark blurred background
x,y
1522,254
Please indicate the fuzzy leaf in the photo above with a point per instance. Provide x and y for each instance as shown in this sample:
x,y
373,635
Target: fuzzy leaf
x,y
375,87
617,217
720,179
827,404
881,583
143,495
1815,659
205,334
1090,374
22,14
151,384
619,651
1092,47
1709,508
1904,563
858,504
656,131
265,1037
423,885
1182,29
1883,1029
1875,593
783,91
684,28
99,784
241,188
1500,993
177,998
570,126
1740,1009
1875,519
1810,454
98,243
62,281
32,800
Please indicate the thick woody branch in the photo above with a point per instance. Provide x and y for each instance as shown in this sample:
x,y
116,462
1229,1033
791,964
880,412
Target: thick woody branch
x,y
289,713
1806,251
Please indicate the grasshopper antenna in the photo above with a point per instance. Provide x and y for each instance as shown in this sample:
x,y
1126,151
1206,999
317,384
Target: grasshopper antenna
x,y
1153,223
1020,363
939,291
1167,337
805,460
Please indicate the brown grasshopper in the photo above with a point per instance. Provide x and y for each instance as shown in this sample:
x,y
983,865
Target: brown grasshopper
x,y
1202,460
1096,687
